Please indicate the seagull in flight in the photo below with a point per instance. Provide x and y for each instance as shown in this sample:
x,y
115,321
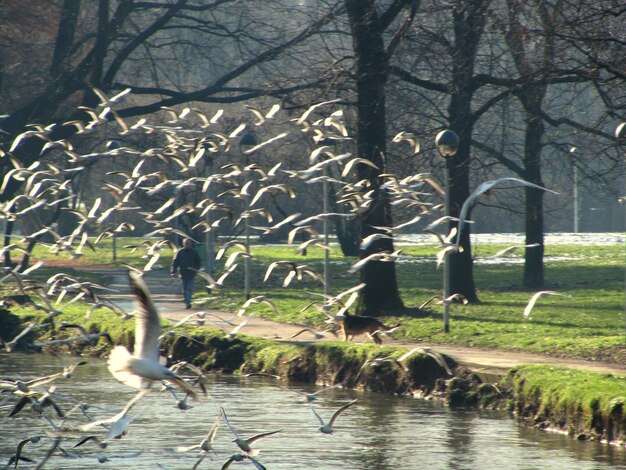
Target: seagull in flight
x,y
244,444
144,364
483,188
510,249
205,446
327,428
533,300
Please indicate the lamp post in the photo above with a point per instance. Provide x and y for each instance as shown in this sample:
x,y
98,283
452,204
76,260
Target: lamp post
x,y
326,247
447,142
620,139
248,139
325,226
575,198
209,237
575,201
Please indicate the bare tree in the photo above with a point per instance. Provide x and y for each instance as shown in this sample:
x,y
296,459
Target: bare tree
x,y
480,65
122,44
368,27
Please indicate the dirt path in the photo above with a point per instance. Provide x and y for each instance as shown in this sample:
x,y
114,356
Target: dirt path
x,y
165,292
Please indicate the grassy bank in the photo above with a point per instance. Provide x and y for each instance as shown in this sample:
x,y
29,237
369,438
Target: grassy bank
x,y
583,404
587,321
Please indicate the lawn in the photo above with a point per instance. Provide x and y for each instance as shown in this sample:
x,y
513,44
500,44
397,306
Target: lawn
x,y
588,320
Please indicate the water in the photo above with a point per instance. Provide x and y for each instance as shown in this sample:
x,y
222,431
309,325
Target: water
x,y
378,433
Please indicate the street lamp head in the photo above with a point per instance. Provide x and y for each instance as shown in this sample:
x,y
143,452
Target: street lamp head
x,y
447,143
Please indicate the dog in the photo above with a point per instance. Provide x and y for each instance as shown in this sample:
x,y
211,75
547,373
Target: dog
x,y
352,325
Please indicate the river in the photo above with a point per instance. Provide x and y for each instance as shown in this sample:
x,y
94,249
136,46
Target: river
x,y
378,433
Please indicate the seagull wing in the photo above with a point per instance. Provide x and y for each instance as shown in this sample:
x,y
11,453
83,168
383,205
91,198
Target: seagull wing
x,y
319,418
288,280
273,110
505,251
271,304
270,268
147,327
256,463
534,298
356,288
339,411
482,188
511,249
351,163
305,115
256,437
409,353
362,262
414,220
300,332
213,431
227,463
257,113
231,429
180,449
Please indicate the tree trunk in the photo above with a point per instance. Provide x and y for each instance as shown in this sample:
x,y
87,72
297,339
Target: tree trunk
x,y
531,96
533,266
347,236
469,22
8,231
380,294
461,263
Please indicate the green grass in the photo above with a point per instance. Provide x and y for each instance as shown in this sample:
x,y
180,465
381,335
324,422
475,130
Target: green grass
x,y
590,323
587,402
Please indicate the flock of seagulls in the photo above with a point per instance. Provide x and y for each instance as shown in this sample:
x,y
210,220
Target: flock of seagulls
x,y
144,369
187,140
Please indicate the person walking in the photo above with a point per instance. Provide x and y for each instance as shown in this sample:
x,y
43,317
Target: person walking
x,y
186,260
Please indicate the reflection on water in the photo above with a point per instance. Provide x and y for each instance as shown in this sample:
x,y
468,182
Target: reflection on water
x,y
378,433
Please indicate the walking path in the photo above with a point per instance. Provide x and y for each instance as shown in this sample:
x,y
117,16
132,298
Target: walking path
x,y
165,293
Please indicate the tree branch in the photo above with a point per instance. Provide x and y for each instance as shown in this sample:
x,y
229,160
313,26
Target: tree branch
x,y
219,85
118,61
389,15
412,79
499,156
576,125
239,94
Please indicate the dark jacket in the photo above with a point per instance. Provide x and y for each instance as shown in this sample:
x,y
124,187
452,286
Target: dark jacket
x,y
186,258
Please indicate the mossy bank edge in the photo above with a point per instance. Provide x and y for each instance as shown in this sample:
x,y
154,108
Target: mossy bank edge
x,y
585,405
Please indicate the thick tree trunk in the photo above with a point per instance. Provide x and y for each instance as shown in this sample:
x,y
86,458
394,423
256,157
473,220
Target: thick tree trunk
x,y
380,294
461,263
533,266
347,237
469,22
8,231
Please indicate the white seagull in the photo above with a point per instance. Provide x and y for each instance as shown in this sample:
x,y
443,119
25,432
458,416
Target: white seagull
x,y
483,188
328,428
244,444
535,297
511,249
144,364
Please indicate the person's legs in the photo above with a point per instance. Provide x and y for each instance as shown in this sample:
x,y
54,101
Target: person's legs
x,y
187,290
